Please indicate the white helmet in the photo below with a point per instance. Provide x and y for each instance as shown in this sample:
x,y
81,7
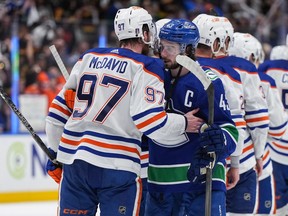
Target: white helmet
x,y
160,23
246,45
210,28
128,23
228,27
229,30
279,52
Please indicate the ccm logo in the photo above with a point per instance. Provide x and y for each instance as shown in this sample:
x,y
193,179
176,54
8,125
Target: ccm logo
x,y
75,212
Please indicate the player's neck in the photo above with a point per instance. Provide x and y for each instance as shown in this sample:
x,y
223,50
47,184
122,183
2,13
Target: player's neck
x,y
174,72
203,53
220,54
137,48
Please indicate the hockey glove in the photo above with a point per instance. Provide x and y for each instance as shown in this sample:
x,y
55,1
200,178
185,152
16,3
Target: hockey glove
x,y
197,170
212,140
69,96
52,169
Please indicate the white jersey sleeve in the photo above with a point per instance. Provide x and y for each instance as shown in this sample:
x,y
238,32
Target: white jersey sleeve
x,y
153,122
256,110
277,115
119,96
234,94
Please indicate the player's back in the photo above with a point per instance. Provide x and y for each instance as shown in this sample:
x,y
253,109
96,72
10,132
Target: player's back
x,y
278,70
107,81
115,88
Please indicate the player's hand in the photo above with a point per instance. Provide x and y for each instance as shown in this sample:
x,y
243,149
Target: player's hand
x,y
193,122
198,167
259,166
53,170
212,140
232,177
69,96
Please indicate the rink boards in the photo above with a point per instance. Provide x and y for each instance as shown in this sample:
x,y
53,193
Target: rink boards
x,y
22,170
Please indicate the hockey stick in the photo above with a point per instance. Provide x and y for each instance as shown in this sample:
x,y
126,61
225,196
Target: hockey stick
x,y
59,62
194,68
37,139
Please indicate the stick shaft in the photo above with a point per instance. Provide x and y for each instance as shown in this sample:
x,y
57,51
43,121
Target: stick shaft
x,y
37,139
59,62
194,68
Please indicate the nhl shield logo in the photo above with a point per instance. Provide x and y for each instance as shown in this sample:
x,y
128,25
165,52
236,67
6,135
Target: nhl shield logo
x,y
122,210
247,196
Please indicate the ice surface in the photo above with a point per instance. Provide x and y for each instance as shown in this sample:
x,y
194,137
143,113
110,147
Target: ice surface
x,y
30,209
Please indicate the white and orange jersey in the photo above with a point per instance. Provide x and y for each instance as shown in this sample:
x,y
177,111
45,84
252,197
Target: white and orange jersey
x,y
234,93
119,96
278,70
277,119
256,112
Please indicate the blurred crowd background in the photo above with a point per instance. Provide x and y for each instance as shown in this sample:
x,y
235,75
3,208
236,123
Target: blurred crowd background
x,y
74,26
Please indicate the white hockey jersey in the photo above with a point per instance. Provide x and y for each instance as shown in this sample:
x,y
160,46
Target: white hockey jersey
x,y
119,96
256,112
234,93
278,70
277,119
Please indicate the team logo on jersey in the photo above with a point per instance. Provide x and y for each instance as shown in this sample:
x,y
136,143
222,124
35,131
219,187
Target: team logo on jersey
x,y
247,196
122,209
115,51
211,74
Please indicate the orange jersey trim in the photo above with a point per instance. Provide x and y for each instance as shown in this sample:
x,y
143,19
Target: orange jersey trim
x,y
257,119
100,144
151,120
61,109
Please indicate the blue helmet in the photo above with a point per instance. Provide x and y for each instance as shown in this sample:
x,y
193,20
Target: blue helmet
x,y
181,31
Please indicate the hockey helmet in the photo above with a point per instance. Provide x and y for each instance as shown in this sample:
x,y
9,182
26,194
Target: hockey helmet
x,y
128,23
279,52
181,31
210,28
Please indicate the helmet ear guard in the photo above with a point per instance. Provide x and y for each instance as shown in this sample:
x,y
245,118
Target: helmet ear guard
x,y
211,29
128,23
246,46
229,33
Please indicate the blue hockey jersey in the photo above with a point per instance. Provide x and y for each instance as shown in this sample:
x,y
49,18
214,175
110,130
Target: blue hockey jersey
x,y
167,171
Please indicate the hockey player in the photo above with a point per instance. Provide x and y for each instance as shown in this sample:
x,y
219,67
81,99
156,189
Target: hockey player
x,y
242,198
277,68
248,47
212,37
119,95
175,178
145,145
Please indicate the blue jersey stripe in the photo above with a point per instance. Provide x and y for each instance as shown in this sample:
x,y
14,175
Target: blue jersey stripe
x,y
95,152
105,136
59,118
147,112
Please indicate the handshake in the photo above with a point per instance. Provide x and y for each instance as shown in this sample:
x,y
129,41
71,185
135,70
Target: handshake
x,y
212,145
